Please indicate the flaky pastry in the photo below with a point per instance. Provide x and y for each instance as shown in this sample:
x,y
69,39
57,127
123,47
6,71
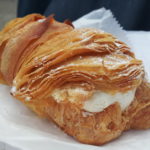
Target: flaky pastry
x,y
85,80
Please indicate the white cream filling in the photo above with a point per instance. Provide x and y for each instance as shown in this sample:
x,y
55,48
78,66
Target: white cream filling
x,y
41,20
100,100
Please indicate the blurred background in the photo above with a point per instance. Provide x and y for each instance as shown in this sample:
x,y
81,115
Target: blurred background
x,y
8,10
131,14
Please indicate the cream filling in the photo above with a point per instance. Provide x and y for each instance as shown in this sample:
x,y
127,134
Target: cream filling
x,y
100,100
41,20
97,102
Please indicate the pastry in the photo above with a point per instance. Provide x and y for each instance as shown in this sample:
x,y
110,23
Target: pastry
x,y
84,80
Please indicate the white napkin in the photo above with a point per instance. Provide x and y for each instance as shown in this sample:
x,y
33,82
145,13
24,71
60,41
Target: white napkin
x,y
104,20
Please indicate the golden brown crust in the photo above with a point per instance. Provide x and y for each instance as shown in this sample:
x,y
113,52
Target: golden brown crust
x,y
138,113
14,38
95,128
89,128
142,119
49,56
2,81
